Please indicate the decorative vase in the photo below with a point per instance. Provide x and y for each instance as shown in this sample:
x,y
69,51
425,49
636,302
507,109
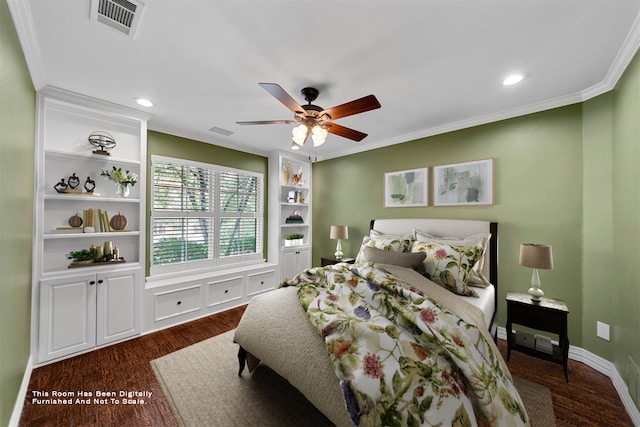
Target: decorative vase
x,y
122,190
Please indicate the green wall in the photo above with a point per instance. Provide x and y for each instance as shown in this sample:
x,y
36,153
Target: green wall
x,y
626,221
163,144
568,177
537,187
17,130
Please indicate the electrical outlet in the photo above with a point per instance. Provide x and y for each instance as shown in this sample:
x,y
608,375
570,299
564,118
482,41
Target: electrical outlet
x,y
603,331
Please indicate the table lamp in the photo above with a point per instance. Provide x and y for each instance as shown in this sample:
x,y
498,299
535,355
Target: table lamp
x,y
536,256
339,232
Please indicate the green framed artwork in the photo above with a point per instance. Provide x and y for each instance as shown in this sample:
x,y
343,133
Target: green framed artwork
x,y
463,184
406,188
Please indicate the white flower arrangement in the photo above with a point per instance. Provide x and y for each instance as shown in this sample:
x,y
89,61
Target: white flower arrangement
x,y
120,176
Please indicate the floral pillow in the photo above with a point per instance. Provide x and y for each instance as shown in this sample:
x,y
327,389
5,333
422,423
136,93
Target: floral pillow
x,y
448,265
385,243
476,275
406,240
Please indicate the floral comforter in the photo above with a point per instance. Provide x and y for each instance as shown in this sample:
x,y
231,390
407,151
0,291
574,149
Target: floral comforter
x,y
403,359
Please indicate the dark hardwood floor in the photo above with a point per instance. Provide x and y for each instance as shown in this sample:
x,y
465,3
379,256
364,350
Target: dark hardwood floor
x,y
588,400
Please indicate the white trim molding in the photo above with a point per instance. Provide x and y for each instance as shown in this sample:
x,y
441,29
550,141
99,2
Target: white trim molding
x,y
603,366
22,394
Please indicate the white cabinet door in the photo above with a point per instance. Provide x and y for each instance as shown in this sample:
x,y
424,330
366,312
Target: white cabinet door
x,y
293,261
67,316
118,300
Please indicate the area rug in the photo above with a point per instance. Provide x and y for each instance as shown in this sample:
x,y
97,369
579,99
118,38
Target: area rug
x,y
202,387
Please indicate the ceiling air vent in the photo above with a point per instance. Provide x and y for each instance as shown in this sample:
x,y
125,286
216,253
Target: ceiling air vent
x,y
120,15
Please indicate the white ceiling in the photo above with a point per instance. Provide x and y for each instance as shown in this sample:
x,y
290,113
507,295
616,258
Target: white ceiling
x,y
435,66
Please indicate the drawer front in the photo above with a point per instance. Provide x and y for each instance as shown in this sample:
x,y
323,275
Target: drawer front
x,y
224,290
261,282
534,317
176,302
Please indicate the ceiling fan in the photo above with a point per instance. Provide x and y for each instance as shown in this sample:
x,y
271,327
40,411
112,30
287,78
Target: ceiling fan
x,y
314,120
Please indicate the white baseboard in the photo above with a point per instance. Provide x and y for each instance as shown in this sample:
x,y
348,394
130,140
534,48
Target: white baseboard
x,y
22,394
603,366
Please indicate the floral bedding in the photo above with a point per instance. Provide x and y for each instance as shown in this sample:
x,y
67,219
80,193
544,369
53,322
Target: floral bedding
x,y
401,357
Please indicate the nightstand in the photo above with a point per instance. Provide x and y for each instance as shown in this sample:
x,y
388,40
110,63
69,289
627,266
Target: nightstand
x,y
549,315
329,260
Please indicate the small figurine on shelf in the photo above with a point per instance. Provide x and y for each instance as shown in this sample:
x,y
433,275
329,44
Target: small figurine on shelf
x,y
75,221
61,186
102,141
89,185
297,178
73,181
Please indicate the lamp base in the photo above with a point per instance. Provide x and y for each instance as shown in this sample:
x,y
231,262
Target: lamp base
x,y
338,254
536,293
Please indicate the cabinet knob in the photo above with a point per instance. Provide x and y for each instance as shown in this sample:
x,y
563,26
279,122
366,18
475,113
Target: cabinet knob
x,y
100,281
179,302
262,282
92,282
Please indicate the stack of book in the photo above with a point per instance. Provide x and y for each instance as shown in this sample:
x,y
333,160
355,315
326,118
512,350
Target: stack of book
x,y
543,344
67,230
294,219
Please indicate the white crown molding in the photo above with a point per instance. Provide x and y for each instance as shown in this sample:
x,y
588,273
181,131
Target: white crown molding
x,y
93,103
23,22
160,126
619,65
463,124
603,366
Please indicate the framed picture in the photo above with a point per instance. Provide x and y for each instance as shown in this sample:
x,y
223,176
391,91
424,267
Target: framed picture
x,y
463,184
405,188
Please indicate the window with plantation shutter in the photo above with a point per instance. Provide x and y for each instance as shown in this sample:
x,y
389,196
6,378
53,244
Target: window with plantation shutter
x,y
204,215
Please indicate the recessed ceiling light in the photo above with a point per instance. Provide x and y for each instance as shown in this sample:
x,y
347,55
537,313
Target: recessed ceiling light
x,y
513,79
144,102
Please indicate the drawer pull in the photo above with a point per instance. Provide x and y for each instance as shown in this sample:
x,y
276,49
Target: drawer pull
x,y
262,282
179,302
226,291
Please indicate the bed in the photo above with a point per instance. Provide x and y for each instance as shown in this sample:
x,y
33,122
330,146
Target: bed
x,y
276,330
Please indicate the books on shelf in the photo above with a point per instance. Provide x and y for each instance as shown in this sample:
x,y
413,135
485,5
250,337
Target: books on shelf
x,y
294,219
543,344
97,219
67,230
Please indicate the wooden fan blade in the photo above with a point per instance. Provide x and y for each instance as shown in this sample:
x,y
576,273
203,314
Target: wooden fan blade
x,y
268,122
345,132
357,106
277,92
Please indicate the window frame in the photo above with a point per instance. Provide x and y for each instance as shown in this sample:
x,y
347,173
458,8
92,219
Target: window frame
x,y
215,213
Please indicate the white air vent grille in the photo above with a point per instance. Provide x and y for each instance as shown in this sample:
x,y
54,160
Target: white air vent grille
x,y
120,15
221,131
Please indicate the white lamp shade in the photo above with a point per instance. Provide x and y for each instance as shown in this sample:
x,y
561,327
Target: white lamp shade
x,y
319,136
299,134
339,232
535,255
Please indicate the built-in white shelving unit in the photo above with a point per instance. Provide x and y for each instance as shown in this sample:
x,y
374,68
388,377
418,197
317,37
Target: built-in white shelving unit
x,y
289,213
77,308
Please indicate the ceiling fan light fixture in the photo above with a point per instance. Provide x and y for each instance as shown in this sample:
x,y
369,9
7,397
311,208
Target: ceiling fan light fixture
x,y
299,134
319,135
